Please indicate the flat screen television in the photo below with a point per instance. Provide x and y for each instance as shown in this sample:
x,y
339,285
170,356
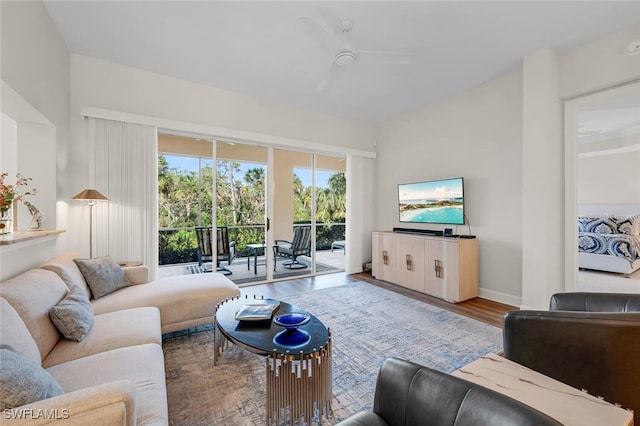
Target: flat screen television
x,y
435,201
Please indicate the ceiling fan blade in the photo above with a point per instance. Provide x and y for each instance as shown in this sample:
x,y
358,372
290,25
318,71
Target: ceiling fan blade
x,y
329,76
376,57
321,36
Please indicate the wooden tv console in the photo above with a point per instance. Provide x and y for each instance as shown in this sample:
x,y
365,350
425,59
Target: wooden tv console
x,y
444,267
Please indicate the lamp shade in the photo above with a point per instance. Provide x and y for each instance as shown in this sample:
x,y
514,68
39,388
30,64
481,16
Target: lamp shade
x,y
90,195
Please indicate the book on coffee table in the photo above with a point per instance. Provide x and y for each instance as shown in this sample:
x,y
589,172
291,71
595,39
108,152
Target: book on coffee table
x,y
257,310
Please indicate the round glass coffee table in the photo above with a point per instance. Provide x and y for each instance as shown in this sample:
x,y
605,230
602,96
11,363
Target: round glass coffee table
x,y
298,367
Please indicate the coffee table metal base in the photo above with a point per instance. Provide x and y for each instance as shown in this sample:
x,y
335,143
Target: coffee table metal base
x,y
299,388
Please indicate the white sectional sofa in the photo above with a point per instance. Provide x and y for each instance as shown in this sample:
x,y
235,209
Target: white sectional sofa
x,y
115,375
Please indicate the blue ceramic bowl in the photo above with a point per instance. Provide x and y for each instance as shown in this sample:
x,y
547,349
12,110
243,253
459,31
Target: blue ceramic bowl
x,y
291,321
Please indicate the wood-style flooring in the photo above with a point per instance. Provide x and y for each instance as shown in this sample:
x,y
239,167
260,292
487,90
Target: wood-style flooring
x,y
484,310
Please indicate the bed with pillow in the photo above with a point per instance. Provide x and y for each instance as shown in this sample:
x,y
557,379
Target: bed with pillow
x,y
609,238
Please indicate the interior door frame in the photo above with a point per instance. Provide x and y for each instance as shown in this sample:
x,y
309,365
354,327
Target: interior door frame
x,y
572,108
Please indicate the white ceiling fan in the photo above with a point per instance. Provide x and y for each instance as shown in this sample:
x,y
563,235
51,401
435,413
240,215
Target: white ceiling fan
x,y
344,55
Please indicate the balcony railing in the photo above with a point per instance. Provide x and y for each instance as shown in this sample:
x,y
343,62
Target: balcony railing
x,y
179,245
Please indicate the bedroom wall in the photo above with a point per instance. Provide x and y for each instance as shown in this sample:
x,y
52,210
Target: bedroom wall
x,y
476,135
609,179
35,65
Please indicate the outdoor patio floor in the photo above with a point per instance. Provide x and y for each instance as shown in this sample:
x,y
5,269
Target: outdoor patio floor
x,y
241,273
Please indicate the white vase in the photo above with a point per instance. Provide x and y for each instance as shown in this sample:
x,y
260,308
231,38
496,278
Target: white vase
x,y
6,222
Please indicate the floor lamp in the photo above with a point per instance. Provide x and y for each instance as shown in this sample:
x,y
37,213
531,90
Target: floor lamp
x,y
91,196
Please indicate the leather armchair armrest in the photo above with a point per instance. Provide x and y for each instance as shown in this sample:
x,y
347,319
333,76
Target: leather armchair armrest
x,y
112,403
597,352
595,302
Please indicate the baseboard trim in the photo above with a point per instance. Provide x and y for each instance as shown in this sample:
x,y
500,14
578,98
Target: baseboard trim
x,y
500,297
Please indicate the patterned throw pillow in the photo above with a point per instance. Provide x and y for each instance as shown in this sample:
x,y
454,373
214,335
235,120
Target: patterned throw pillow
x,y
22,381
103,275
73,315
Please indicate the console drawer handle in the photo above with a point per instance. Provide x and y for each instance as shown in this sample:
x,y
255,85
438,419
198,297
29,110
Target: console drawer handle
x,y
438,267
408,260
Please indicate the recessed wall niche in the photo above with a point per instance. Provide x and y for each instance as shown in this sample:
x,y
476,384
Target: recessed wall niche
x,y
29,147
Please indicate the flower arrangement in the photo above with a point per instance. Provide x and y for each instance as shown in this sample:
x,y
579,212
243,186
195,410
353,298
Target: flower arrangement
x,y
11,193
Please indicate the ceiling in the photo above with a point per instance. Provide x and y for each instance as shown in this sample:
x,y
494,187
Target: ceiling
x,y
263,49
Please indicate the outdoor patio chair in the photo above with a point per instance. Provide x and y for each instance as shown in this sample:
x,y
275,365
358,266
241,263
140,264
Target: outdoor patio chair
x,y
226,249
300,246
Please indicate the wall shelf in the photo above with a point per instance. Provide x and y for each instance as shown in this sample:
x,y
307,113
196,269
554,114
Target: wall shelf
x,y
17,237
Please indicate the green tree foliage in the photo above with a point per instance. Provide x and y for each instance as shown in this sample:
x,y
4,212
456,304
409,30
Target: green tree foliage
x,y
185,201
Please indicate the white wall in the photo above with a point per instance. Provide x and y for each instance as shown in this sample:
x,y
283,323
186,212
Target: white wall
x,y
599,65
110,86
609,179
542,181
9,146
593,72
428,144
476,135
35,64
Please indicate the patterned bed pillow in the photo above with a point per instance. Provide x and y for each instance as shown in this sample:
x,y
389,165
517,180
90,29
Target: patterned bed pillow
x,y
628,224
599,224
610,224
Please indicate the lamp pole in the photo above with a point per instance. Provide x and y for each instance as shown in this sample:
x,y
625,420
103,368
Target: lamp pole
x,y
91,203
91,196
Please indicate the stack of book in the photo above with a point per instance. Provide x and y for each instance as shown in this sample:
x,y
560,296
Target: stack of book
x,y
258,310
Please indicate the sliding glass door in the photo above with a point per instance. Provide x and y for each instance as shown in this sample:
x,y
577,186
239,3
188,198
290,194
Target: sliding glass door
x,y
241,206
292,199
254,213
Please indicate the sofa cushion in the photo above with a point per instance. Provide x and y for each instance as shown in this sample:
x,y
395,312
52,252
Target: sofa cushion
x,y
33,294
73,315
119,329
23,381
142,364
103,275
68,271
184,301
14,332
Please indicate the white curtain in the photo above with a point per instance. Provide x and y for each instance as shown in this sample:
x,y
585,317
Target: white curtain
x,y
125,169
359,220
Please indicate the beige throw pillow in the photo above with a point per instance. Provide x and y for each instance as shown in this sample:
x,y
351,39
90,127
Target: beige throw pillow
x,y
103,275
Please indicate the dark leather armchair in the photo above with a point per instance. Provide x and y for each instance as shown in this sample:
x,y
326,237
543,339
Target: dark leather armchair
x,y
299,246
410,394
226,250
590,341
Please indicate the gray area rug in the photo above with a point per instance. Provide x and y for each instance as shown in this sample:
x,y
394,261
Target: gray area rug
x,y
368,323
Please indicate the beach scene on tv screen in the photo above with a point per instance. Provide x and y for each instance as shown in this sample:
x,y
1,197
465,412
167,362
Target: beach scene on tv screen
x,y
432,202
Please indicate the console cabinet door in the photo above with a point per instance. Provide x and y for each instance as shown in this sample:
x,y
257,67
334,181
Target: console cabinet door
x,y
446,268
435,273
410,262
384,256
452,269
